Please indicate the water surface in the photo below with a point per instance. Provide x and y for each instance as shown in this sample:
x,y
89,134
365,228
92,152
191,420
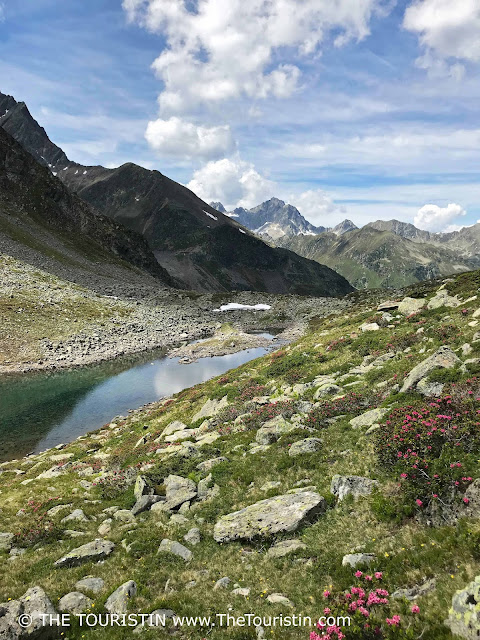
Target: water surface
x,y
41,410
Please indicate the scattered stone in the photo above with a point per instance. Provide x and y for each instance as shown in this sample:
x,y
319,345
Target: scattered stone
x,y
74,602
267,517
342,486
178,519
105,528
442,299
411,305
96,550
142,488
124,515
173,427
178,491
284,548
416,591
59,507
301,447
245,591
388,305
427,388
278,598
443,358
273,430
355,559
6,541
211,408
32,604
144,503
193,536
75,515
369,326
89,583
117,602
368,418
208,465
328,389
175,548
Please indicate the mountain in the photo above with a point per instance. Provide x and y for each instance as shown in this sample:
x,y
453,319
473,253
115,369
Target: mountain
x,y
370,258
274,219
44,224
198,246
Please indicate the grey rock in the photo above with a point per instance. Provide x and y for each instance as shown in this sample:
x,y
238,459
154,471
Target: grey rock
x,y
268,517
278,598
117,602
284,548
411,305
464,614
75,515
211,408
273,430
355,559
427,388
442,299
142,488
369,326
124,515
144,503
388,305
178,491
222,583
90,583
301,447
6,541
193,536
33,603
327,389
96,550
342,486
208,465
175,548
272,484
173,427
412,593
443,358
74,602
241,591
368,418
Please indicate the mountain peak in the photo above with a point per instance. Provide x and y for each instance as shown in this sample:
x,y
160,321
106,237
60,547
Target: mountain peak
x,y
218,206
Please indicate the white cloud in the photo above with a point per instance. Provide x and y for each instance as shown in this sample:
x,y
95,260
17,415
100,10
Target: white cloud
x,y
446,30
2,12
217,50
431,217
318,207
180,138
233,182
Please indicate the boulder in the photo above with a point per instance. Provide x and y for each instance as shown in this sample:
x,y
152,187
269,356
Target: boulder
x,y
308,445
124,515
142,488
388,305
342,486
411,305
472,494
117,602
178,491
222,583
90,583
208,465
442,299
327,389
33,603
278,598
368,418
284,547
74,602
272,430
355,559
6,541
144,503
268,517
176,549
75,515
96,550
192,536
172,427
211,408
369,326
427,388
443,358
464,614
241,591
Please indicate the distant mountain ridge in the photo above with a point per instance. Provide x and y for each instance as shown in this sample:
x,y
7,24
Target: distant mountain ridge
x,y
275,219
196,245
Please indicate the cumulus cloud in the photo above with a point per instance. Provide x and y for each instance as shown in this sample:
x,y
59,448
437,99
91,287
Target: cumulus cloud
x,y
217,50
233,182
446,30
318,207
431,217
180,138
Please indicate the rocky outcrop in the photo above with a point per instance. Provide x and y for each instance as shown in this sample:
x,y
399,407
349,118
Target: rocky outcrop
x,y
357,486
96,550
268,517
31,605
117,602
464,614
443,358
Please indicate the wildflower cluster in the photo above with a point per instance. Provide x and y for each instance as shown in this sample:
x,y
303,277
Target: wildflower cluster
x,y
268,411
351,403
433,448
444,333
36,524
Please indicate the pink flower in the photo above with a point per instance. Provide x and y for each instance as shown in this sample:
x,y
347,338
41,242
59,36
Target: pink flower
x,y
394,621
415,608
419,502
358,574
368,578
326,593
378,575
466,500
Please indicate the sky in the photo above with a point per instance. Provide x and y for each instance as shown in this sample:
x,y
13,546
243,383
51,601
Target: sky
x,y
359,109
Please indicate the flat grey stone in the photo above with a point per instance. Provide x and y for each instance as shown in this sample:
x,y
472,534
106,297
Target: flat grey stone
x,y
175,548
96,550
117,602
74,602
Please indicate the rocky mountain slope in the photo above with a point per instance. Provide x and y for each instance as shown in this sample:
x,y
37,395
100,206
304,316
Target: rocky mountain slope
x,y
370,257
335,477
274,219
199,247
43,223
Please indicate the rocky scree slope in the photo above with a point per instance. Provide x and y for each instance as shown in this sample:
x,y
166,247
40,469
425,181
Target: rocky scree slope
x,y
199,247
339,473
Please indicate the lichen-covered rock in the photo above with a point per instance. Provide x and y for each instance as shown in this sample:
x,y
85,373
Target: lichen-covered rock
x,y
369,326
342,486
142,488
32,604
464,614
117,602
96,550
178,491
411,305
268,517
327,389
208,465
90,583
192,536
211,408
6,541
301,447
355,559
368,418
172,427
144,503
74,602
75,515
442,299
176,549
443,358
428,389
285,547
273,430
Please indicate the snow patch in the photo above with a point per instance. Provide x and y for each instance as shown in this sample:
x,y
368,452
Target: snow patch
x,y
235,306
85,173
242,231
65,168
210,215
137,199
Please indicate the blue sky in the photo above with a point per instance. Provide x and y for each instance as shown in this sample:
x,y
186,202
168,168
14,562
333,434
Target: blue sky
x,y
363,109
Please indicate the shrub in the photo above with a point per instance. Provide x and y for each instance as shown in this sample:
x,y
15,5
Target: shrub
x,y
283,364
351,403
36,525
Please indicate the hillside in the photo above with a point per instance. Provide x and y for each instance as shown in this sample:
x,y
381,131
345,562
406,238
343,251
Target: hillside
x,y
371,258
337,476
199,247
